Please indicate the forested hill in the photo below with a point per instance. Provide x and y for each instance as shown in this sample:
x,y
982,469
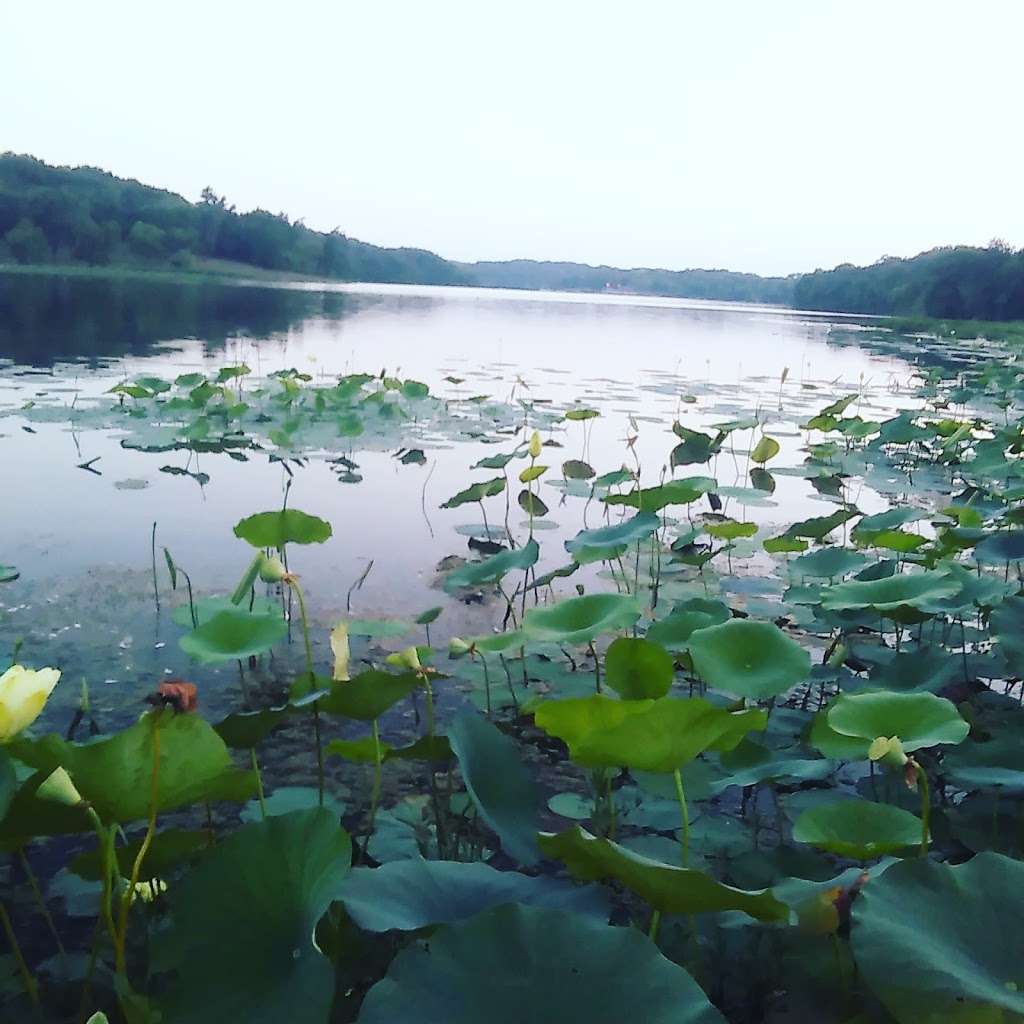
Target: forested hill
x,y
690,284
84,215
961,283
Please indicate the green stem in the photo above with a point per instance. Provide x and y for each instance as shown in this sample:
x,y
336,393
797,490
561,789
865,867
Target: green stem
x,y
926,807
652,932
30,983
129,894
684,816
40,902
377,781
294,584
105,837
259,782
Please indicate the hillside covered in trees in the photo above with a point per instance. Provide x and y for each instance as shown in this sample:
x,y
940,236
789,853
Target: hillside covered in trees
x,y
83,215
958,283
62,215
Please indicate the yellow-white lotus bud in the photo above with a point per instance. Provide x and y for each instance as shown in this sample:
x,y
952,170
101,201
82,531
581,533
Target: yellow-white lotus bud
x,y
535,446
23,694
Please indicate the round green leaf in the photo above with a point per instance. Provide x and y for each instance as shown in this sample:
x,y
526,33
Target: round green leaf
x,y
859,829
235,634
942,943
580,619
748,658
413,894
514,964
913,590
284,526
637,669
918,719
241,938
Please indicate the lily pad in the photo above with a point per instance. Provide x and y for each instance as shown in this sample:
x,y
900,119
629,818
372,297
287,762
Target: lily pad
x,y
517,963
241,939
232,635
493,569
859,829
284,526
413,894
918,719
637,669
501,787
579,620
937,942
748,658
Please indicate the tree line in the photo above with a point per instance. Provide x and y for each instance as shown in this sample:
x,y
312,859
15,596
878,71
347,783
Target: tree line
x,y
84,215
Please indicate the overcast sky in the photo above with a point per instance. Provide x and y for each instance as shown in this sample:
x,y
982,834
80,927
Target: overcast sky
x,y
764,135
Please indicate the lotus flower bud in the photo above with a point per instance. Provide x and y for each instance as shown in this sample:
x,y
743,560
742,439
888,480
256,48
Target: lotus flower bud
x,y
57,788
457,647
23,694
409,658
534,447
888,751
340,649
272,570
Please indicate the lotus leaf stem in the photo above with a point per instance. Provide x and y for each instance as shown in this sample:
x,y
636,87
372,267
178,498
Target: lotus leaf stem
x,y
30,983
684,816
926,806
259,782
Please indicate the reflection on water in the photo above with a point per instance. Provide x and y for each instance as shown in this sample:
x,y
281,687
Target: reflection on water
x,y
79,525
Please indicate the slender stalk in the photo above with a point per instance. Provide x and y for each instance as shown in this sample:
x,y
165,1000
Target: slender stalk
x,y
597,667
294,584
105,837
152,548
926,807
259,782
652,932
147,839
40,902
378,776
684,816
30,983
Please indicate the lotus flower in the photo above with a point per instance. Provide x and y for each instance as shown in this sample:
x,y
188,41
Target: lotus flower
x,y
23,694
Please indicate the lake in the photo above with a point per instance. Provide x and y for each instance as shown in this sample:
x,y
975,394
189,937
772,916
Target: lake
x,y
83,491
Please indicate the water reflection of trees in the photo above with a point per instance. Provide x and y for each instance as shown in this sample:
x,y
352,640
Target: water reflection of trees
x,y
45,318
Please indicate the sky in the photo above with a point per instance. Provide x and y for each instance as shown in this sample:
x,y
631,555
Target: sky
x,y
772,137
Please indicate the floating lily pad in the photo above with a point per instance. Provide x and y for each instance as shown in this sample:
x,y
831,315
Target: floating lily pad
x,y
235,634
284,526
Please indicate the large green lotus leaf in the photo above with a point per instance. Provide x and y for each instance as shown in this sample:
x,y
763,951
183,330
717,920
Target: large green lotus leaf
x,y
580,619
207,607
665,887
642,525
750,763
748,658
477,492
890,593
515,964
234,634
412,894
997,763
284,526
241,938
939,943
891,519
827,563
637,669
1005,546
114,774
653,736
929,668
368,695
674,631
859,829
820,527
834,744
501,787
493,569
675,492
918,719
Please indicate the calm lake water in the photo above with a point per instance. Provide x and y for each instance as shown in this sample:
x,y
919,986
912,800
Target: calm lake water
x,y
81,537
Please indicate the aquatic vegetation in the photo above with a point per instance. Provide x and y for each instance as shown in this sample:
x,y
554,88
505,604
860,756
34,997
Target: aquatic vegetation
x,y
688,759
